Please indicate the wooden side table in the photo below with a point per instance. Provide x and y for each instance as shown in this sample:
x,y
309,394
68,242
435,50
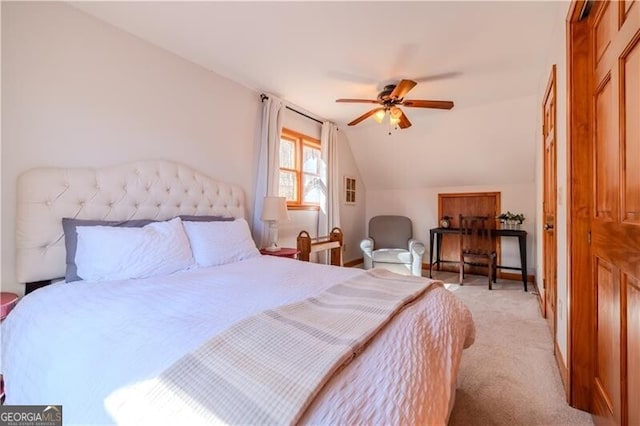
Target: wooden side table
x,y
7,302
291,253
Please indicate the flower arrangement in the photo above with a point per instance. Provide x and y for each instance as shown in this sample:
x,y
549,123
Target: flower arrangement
x,y
512,220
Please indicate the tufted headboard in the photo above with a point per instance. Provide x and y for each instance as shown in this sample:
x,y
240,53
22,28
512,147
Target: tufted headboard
x,y
141,190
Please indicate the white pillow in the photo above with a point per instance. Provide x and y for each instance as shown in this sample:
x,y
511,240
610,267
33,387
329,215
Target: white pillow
x,y
218,243
108,253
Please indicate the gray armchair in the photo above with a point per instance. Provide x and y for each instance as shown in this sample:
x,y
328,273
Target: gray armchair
x,y
391,246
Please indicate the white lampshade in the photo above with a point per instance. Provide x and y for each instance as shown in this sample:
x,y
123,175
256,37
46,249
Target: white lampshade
x,y
275,208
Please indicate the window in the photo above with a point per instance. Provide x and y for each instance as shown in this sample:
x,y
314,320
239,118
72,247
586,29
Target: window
x,y
349,190
300,160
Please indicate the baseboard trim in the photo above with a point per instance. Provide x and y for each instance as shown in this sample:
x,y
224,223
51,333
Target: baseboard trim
x,y
515,277
503,275
539,297
352,263
564,373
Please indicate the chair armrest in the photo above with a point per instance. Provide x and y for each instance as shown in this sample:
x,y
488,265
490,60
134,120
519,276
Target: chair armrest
x,y
416,247
367,252
367,245
417,251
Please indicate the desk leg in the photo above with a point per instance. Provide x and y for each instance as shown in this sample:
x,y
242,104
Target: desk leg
x,y
523,259
438,249
430,252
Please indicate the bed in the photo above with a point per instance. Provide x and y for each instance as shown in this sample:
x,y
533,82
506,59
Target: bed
x,y
98,347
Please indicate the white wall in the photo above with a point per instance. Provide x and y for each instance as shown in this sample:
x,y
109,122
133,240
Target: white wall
x,y
78,92
421,205
486,144
557,55
406,174
352,216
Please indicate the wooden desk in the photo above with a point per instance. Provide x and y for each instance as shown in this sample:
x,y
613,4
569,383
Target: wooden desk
x,y
520,234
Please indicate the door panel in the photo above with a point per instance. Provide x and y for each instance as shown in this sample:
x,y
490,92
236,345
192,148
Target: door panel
x,y
608,337
625,7
606,157
630,75
603,31
633,350
615,221
549,239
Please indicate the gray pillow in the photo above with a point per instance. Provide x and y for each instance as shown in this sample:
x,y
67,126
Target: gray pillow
x,y
188,218
69,226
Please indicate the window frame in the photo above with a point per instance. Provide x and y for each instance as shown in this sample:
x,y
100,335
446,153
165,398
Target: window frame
x,y
300,140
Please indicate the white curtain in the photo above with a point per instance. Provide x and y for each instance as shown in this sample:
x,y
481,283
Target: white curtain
x,y
267,180
329,215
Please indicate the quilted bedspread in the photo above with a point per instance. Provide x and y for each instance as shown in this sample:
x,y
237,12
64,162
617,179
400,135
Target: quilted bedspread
x,y
90,346
407,375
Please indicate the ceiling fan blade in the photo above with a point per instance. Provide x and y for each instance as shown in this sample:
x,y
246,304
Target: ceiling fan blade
x,y
404,121
361,101
402,89
365,116
418,103
440,76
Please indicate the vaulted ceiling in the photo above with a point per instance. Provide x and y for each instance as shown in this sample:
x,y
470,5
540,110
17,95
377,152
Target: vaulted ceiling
x,y
487,57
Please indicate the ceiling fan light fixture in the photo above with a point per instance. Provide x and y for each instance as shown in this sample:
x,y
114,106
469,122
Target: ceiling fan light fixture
x,y
388,99
379,116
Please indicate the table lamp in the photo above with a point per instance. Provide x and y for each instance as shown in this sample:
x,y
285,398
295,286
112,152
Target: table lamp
x,y
274,210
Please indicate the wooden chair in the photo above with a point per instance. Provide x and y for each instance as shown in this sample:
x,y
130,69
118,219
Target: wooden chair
x,y
476,245
332,242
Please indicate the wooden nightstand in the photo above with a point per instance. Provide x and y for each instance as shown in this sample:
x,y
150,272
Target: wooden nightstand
x,y
7,302
283,252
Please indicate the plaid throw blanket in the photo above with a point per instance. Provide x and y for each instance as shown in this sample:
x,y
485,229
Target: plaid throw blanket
x,y
267,368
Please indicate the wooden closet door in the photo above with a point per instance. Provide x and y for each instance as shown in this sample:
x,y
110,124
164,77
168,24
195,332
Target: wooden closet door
x,y
467,204
615,220
549,202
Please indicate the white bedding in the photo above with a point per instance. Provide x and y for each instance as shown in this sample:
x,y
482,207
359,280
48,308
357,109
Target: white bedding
x,y
77,344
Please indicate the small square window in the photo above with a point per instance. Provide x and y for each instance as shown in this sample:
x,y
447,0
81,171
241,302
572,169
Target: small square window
x,y
349,190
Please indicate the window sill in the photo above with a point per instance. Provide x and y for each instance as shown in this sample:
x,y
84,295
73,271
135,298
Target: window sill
x,y
302,207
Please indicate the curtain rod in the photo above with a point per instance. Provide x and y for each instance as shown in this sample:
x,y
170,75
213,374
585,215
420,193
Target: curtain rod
x,y
263,97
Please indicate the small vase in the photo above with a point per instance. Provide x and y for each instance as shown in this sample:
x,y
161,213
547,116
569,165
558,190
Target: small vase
x,y
512,224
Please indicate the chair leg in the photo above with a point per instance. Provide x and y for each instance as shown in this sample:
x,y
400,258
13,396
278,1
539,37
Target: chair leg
x,y
461,272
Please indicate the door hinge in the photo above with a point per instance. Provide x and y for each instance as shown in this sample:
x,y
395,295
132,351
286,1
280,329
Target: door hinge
x,y
589,237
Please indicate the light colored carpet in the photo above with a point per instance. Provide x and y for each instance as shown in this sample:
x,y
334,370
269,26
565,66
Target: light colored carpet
x,y
509,375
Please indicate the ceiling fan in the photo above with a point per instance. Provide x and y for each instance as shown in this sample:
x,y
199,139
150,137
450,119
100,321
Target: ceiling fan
x,y
391,97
